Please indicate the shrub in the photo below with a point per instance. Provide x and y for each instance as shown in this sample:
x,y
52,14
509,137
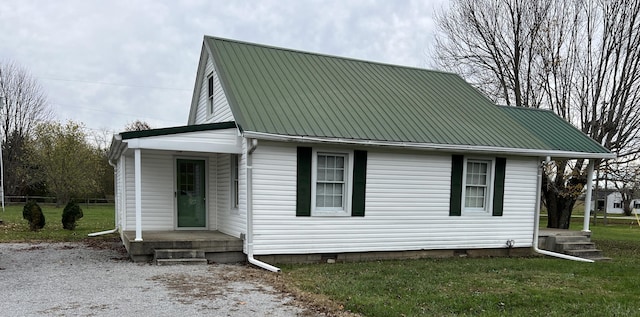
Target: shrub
x,y
72,212
33,213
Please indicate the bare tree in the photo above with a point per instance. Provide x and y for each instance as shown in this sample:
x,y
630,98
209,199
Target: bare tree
x,y
137,126
626,180
23,104
579,59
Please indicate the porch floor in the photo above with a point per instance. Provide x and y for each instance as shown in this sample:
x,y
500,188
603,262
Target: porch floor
x,y
218,247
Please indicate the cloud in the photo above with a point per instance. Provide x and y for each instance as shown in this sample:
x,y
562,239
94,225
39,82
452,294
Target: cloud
x,y
80,49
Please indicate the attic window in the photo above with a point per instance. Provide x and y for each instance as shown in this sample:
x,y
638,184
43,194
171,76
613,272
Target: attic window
x,y
210,94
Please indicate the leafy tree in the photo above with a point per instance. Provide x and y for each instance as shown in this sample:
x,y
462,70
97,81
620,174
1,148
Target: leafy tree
x,y
68,164
580,59
23,104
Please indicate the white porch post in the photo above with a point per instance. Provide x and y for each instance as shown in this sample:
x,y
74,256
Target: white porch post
x,y
587,198
138,191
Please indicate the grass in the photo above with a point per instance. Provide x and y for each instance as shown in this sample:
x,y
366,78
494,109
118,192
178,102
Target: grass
x,y
15,229
535,286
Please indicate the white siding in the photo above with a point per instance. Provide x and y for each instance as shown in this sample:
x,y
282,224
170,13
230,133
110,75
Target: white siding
x,y
157,192
222,111
158,187
212,199
120,194
407,207
231,221
129,214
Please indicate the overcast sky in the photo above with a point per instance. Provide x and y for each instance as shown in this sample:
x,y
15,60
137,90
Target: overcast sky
x,y
108,63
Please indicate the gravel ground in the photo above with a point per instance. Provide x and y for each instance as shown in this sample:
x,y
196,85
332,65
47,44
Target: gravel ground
x,y
76,279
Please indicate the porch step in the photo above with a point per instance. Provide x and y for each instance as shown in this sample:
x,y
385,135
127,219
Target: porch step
x,y
575,244
592,254
181,261
581,245
179,256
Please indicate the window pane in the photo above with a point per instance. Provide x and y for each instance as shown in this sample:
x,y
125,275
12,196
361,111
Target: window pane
x,y
322,174
339,175
319,201
337,189
331,161
337,201
340,162
330,175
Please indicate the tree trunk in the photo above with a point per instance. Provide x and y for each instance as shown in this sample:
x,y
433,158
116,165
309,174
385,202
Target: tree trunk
x,y
559,207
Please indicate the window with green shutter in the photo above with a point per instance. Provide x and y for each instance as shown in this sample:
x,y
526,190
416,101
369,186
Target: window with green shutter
x,y
330,183
477,186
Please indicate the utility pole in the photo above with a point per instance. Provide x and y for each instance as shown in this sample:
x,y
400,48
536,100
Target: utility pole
x,y
2,100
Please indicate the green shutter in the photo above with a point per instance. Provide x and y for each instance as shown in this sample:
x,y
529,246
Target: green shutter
x,y
359,183
303,189
455,202
498,186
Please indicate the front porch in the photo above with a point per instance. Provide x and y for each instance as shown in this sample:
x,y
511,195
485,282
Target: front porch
x,y
217,246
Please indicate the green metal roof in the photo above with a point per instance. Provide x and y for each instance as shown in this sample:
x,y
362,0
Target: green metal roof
x,y
554,131
291,93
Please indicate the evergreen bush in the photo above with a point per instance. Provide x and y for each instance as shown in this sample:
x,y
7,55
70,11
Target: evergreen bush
x,y
72,212
33,213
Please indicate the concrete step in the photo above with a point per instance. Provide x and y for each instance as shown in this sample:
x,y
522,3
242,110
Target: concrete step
x,y
178,254
566,246
181,261
571,238
587,254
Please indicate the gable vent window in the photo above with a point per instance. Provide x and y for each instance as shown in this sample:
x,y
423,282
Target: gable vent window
x,y
235,184
210,94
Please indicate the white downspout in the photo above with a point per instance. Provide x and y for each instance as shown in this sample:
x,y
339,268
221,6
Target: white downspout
x,y
252,144
536,225
115,216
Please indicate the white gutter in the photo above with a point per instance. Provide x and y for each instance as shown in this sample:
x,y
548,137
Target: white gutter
x,y
430,146
536,226
252,144
115,186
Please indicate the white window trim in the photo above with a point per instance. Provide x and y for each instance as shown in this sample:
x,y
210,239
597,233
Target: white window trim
x,y
488,210
348,181
233,194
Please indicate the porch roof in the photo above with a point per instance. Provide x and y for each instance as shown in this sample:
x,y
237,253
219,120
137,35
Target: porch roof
x,y
222,137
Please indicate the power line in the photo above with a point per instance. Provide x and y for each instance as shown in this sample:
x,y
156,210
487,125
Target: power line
x,y
113,84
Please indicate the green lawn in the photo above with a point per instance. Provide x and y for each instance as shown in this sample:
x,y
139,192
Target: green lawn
x,y
536,286
15,229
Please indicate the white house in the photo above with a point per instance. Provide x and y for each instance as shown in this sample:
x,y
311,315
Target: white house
x,y
611,201
302,154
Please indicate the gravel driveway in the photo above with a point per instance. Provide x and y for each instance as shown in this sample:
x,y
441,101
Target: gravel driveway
x,y
74,279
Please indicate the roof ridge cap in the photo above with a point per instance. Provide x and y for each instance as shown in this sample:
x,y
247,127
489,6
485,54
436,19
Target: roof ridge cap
x,y
299,51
